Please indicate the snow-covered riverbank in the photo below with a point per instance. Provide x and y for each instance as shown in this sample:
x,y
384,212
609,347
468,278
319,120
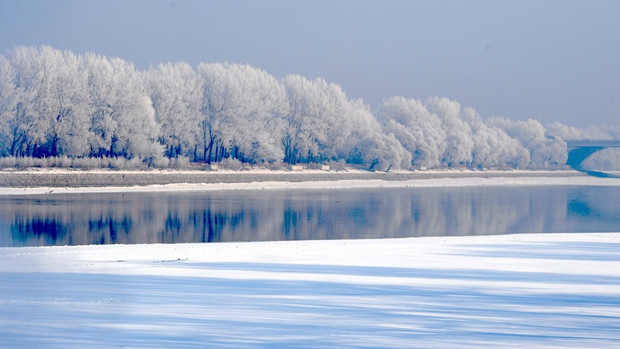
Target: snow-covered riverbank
x,y
61,178
516,291
59,181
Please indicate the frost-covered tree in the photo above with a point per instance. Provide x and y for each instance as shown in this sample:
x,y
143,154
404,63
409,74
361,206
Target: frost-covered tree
x,y
240,110
368,144
56,103
122,121
7,107
418,130
572,133
544,151
176,92
26,128
314,107
440,133
323,124
459,141
47,107
66,103
492,147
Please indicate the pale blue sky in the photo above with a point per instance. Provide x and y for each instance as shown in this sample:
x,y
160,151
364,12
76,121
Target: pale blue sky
x,y
553,60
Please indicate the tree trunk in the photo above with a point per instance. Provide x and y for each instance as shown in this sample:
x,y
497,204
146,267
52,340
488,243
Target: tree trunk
x,y
208,160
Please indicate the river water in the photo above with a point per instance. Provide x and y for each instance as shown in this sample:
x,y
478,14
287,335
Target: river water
x,y
260,215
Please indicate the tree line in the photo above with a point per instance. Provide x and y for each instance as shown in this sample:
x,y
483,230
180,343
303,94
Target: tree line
x,y
56,103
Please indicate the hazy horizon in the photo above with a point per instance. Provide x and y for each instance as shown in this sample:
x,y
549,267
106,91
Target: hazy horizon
x,y
553,61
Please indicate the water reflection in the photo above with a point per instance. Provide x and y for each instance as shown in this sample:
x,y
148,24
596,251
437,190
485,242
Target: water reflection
x,y
80,219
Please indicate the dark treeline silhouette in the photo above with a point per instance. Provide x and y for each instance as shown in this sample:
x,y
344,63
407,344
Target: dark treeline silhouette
x,y
93,110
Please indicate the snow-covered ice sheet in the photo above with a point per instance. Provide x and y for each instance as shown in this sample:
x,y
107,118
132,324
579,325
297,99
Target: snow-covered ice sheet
x,y
516,291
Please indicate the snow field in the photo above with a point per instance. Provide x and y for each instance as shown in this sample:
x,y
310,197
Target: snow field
x,y
515,291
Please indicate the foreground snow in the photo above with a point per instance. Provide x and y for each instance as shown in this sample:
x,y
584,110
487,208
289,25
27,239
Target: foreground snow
x,y
517,291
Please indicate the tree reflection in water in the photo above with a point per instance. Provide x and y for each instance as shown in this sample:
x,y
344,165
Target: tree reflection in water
x,y
135,218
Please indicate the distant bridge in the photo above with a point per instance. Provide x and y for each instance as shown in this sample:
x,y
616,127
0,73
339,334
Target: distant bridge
x,y
580,150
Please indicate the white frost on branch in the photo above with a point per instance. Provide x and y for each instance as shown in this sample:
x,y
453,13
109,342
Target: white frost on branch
x,y
55,103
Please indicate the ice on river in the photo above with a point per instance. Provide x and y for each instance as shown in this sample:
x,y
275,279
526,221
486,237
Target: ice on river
x,y
515,291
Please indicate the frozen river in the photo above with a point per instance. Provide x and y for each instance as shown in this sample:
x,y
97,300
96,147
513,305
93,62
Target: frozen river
x,y
304,214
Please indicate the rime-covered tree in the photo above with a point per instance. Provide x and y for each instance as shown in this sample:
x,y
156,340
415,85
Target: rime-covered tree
x,y
122,119
26,126
368,142
544,151
176,92
48,103
318,122
492,147
7,107
458,141
441,133
418,130
240,112
56,103
567,132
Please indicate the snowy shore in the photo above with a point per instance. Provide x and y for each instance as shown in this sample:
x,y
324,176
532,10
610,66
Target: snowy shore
x,y
62,181
58,178
515,291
